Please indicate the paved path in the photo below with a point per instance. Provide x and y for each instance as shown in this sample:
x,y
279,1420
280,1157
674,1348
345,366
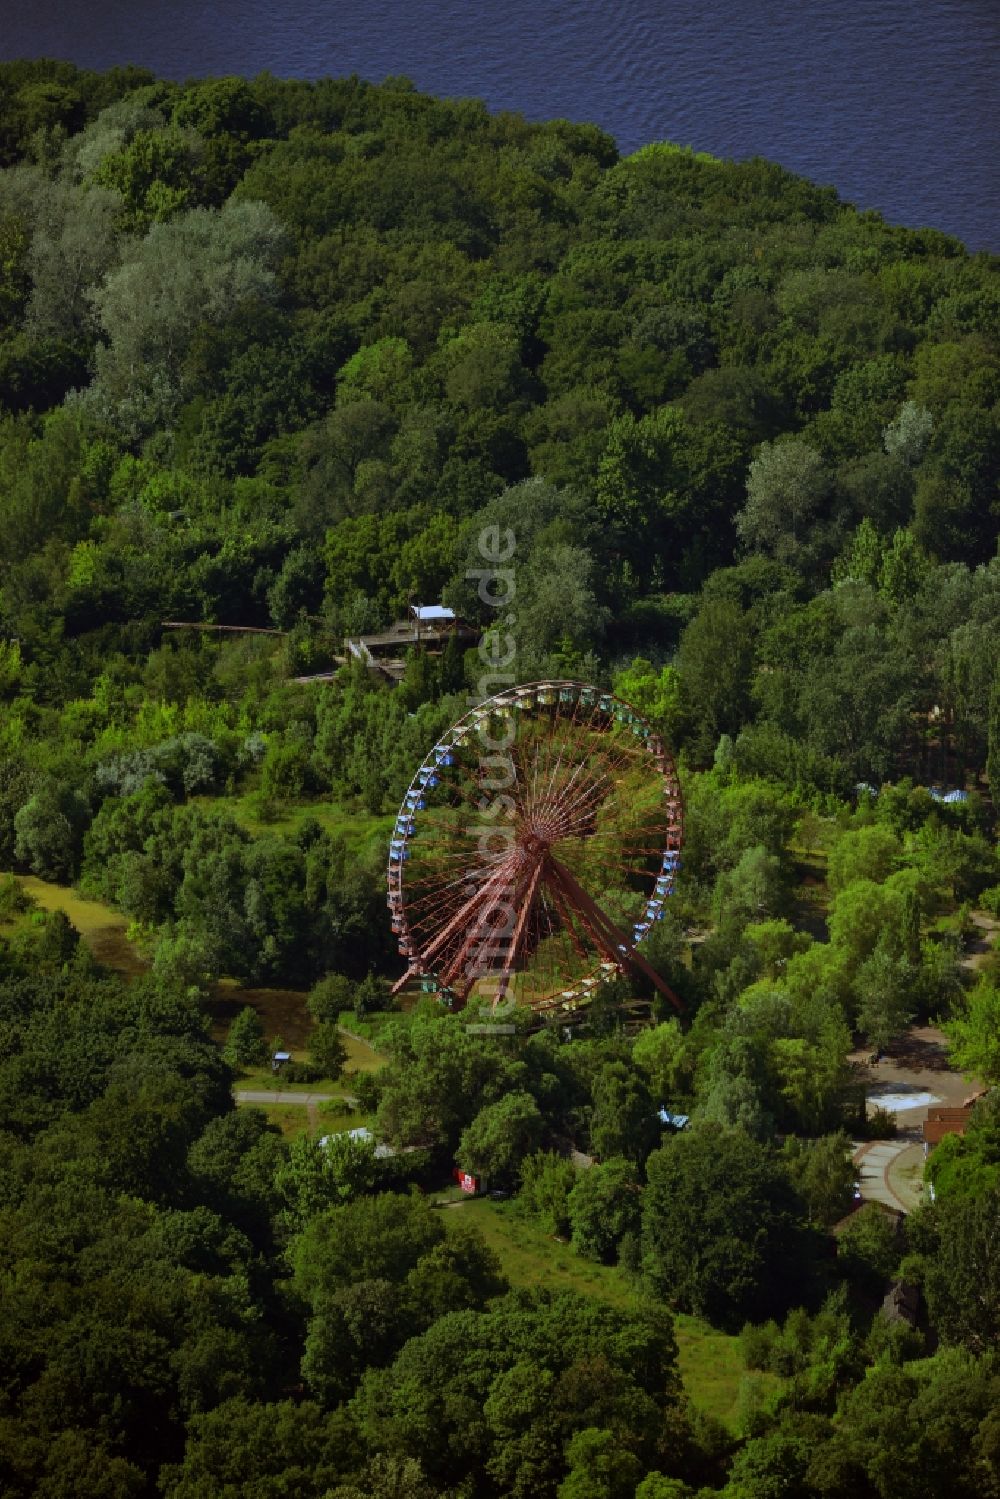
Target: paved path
x,y
876,1161
307,1100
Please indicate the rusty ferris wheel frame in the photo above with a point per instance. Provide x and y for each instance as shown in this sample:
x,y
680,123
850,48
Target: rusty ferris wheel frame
x,y
535,849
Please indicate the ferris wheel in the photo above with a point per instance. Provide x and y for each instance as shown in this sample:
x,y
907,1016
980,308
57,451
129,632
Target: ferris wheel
x,y
534,850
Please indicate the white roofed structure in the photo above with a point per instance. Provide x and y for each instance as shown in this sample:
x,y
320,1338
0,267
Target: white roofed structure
x,y
431,613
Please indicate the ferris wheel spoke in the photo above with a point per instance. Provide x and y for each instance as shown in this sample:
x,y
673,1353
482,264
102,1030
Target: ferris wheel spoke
x,y
527,904
480,896
446,897
601,782
559,743
583,806
581,770
517,896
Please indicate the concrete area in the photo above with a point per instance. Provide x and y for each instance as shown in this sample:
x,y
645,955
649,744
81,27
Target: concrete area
x,y
905,1174
914,1068
891,1172
873,1160
892,1101
913,1076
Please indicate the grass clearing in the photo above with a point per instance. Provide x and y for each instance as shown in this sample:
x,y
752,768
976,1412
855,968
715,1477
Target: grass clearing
x,y
283,1013
361,1054
361,831
710,1362
290,1119
312,1119
335,1117
263,1080
101,926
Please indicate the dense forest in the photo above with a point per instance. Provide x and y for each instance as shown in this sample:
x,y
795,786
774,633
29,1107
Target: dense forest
x,y
272,356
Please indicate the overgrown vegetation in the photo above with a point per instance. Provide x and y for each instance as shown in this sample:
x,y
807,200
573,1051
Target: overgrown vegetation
x,y
272,354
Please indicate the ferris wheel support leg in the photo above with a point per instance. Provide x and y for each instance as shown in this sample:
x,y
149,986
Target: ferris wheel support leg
x,y
564,906
526,903
607,935
483,931
486,893
415,969
601,931
636,960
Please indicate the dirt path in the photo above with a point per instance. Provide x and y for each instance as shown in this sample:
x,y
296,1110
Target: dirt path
x,y
979,947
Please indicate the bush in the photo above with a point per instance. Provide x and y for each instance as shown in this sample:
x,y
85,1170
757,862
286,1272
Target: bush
x,y
372,997
869,1248
757,1341
14,901
327,1052
245,1045
301,1072
547,1179
880,1124
49,831
368,1089
604,1206
328,999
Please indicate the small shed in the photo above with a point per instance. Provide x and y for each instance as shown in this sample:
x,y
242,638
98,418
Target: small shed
x,y
279,1059
475,1186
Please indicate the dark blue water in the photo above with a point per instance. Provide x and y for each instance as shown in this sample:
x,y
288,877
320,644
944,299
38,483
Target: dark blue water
x,y
894,102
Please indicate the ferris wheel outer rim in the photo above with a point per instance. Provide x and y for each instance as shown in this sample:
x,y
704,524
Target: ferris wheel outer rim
x,y
652,742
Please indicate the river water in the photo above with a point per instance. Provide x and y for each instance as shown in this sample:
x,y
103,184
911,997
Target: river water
x,y
895,103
